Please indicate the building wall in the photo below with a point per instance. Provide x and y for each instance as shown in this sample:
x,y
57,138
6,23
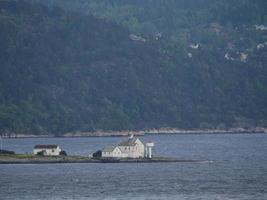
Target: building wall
x,y
140,149
136,151
48,152
116,153
106,154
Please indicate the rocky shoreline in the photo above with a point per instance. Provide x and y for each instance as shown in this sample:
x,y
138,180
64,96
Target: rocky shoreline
x,y
31,159
144,132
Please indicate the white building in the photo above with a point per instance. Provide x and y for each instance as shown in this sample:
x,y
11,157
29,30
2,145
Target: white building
x,y
48,150
112,152
130,148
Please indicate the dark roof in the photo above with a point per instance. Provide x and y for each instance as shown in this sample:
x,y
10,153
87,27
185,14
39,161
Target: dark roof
x,y
128,142
109,148
45,146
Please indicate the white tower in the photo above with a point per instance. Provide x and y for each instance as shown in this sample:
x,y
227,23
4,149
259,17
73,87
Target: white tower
x,y
1,145
149,147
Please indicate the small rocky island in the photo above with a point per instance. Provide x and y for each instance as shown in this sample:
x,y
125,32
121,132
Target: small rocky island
x,y
131,150
32,159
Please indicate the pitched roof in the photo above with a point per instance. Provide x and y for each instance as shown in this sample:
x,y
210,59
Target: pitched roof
x,y
109,148
45,146
128,142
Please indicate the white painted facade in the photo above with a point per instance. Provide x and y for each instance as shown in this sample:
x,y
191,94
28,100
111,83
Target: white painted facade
x,y
112,152
149,147
49,150
135,150
131,148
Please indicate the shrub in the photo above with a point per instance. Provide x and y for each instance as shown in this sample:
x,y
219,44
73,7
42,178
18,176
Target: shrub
x,y
2,151
40,153
97,154
63,153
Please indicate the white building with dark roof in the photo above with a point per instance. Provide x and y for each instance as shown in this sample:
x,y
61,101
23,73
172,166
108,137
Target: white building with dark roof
x,y
112,152
130,148
47,150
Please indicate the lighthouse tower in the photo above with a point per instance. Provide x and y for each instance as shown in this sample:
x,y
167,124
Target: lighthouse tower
x,y
149,147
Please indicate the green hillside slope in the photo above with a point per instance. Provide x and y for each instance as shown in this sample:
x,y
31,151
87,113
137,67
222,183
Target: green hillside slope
x,y
170,17
64,72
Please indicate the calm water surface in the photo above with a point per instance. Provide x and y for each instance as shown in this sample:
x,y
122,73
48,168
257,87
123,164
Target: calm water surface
x,y
238,170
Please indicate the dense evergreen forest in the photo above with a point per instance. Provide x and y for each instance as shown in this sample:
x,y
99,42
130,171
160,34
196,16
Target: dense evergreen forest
x,y
171,17
119,64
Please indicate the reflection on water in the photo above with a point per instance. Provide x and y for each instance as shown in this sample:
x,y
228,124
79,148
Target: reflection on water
x,y
238,170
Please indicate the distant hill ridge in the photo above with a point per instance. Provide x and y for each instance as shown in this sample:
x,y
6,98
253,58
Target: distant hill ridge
x,y
67,71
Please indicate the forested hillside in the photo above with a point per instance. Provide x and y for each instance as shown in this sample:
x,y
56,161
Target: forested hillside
x,y
94,68
172,17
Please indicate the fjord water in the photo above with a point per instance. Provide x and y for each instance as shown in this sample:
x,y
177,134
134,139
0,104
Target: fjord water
x,y
236,169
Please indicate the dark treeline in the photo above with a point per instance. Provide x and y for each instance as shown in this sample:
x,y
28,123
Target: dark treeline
x,y
67,71
169,17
